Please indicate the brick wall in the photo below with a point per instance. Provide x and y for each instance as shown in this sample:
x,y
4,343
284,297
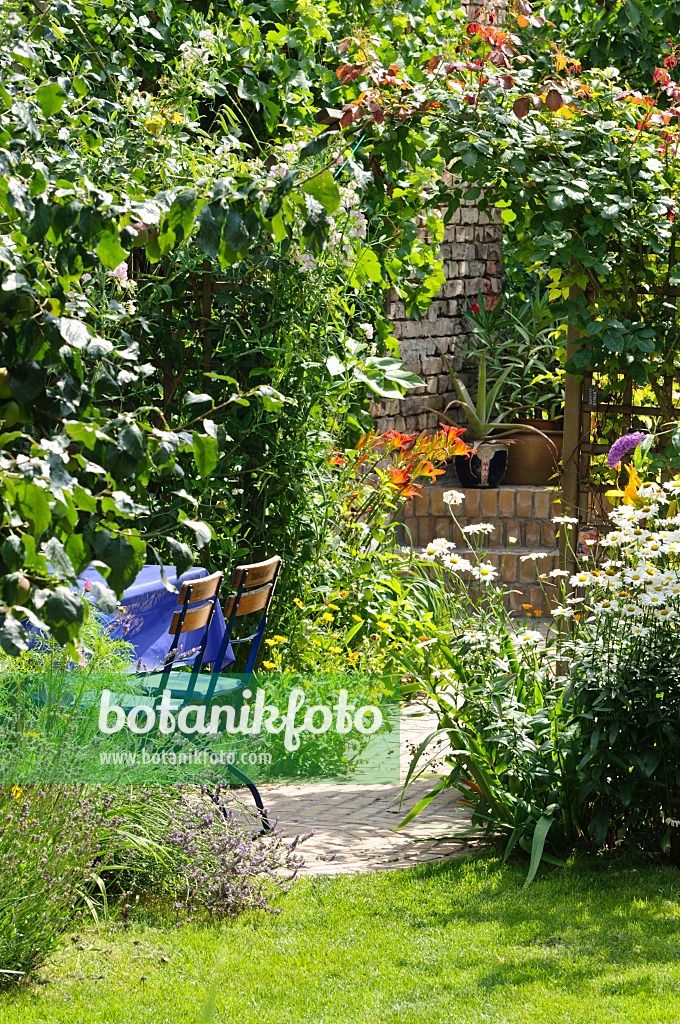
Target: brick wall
x,y
522,523
472,262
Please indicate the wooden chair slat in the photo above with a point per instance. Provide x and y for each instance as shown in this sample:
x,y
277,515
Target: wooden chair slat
x,y
251,601
257,573
196,619
202,590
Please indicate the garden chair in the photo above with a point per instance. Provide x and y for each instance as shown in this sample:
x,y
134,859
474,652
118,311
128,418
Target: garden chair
x,y
197,601
254,587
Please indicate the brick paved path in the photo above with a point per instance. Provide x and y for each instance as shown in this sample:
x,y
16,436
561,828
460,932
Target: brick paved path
x,y
354,824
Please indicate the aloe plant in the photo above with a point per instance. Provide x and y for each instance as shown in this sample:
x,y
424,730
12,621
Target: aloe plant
x,y
482,425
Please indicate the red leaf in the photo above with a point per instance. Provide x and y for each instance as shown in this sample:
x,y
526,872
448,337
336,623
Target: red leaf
x,y
344,45
433,63
347,119
507,81
553,100
521,106
537,103
474,29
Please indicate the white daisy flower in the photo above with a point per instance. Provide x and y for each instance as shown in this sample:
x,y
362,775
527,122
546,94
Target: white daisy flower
x,y
554,573
607,607
527,637
638,630
453,498
630,610
565,519
581,579
566,612
535,555
476,528
664,614
485,572
454,561
474,636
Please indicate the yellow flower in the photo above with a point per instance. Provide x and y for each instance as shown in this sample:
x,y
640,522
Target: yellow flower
x,y
298,602
334,607
270,642
153,125
336,650
344,594
269,665
327,616
383,625
357,618
353,657
16,792
280,639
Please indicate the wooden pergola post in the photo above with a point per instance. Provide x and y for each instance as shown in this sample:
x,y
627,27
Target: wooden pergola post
x,y
570,489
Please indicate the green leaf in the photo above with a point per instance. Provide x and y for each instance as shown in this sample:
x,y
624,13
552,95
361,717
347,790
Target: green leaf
x,y
203,531
123,553
109,250
56,555
325,190
63,611
50,98
34,507
538,842
74,332
558,200
13,638
315,146
13,553
366,267
205,454
272,399
182,557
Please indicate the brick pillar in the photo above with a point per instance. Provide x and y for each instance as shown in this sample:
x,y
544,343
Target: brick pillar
x,y
472,262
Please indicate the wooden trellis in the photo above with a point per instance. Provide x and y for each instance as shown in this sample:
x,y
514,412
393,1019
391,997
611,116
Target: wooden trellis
x,y
583,411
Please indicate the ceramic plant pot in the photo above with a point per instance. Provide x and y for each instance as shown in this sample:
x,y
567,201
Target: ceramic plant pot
x,y
485,467
533,458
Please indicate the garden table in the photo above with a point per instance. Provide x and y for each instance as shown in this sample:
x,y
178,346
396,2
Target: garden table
x,y
147,612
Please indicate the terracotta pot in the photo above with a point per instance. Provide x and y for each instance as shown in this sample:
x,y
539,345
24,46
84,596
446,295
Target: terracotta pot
x,y
534,459
485,467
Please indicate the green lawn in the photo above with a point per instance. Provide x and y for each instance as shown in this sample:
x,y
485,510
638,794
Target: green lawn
x,y
460,943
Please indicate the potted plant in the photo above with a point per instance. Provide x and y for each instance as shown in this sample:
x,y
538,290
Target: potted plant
x,y
486,434
522,337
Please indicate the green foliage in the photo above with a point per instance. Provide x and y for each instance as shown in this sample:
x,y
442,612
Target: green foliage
x,y
173,142
521,338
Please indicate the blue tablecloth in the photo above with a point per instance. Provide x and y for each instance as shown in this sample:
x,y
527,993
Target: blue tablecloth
x,y
148,613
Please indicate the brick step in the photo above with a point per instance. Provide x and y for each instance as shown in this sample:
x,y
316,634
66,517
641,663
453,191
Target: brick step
x,y
522,512
518,578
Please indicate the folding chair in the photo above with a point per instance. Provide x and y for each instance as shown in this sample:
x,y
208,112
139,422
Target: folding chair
x,y
197,601
254,585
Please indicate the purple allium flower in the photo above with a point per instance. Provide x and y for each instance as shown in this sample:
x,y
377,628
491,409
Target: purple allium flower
x,y
623,445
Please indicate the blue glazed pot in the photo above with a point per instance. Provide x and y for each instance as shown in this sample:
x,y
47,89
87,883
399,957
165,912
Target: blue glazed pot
x,y
485,467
